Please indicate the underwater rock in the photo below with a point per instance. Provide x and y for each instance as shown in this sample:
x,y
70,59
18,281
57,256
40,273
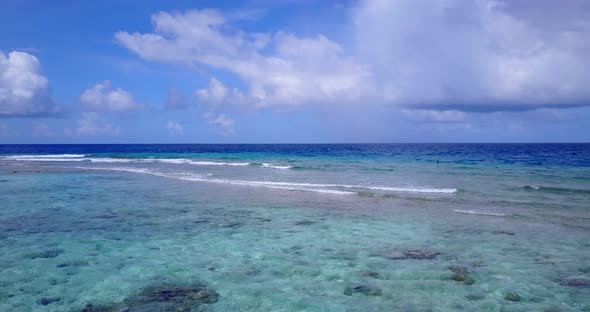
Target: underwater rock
x,y
575,282
92,308
211,267
416,254
372,274
474,297
52,253
514,297
305,222
469,280
463,278
363,289
504,233
461,275
231,225
421,254
161,298
457,269
75,263
106,216
48,300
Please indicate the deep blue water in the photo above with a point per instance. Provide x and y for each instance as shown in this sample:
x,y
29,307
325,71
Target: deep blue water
x,y
554,154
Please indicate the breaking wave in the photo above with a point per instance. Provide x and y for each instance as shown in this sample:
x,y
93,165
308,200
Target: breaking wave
x,y
341,189
265,165
80,157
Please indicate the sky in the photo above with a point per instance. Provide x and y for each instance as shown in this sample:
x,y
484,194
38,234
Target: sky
x,y
294,71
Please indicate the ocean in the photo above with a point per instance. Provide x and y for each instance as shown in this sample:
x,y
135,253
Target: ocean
x,y
295,227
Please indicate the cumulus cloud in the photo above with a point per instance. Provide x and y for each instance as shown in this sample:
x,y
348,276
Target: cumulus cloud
x,y
217,94
23,90
102,97
278,68
481,55
91,123
213,98
174,128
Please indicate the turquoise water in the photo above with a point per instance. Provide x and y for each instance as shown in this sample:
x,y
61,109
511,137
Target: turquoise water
x,y
298,228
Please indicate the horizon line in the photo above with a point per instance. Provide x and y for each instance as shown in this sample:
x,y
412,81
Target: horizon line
x,y
288,143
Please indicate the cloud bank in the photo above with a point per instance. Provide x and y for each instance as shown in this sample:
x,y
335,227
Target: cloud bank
x,y
446,55
476,55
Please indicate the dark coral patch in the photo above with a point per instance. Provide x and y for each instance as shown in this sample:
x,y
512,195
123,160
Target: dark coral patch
x,y
161,298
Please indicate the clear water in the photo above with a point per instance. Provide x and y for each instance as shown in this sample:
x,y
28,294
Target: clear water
x,y
298,227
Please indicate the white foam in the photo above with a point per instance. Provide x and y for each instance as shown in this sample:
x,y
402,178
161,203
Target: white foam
x,y
311,187
265,165
212,163
43,157
80,157
198,178
326,191
414,190
112,160
381,188
480,213
47,159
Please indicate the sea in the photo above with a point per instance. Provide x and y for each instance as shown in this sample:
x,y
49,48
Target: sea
x,y
295,227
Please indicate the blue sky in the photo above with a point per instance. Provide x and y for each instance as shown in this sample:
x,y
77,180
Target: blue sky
x,y
294,71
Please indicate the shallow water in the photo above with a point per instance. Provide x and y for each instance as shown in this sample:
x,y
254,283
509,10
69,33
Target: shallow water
x,y
344,230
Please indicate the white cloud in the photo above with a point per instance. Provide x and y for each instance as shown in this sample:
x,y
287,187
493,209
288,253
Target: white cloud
x,y
174,128
23,90
213,98
217,94
102,97
213,95
426,115
278,68
224,124
481,55
475,55
92,123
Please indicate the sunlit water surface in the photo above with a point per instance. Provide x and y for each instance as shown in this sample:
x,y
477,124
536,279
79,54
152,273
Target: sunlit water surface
x,y
336,228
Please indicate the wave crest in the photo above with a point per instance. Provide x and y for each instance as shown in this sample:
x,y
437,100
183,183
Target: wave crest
x,y
341,189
